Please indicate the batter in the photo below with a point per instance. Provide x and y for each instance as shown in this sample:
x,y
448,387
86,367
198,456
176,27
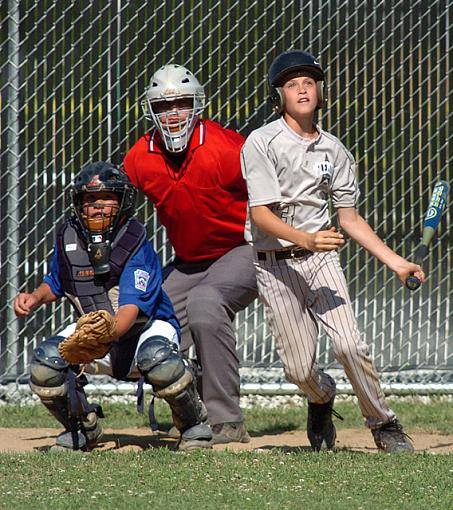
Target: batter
x,y
293,168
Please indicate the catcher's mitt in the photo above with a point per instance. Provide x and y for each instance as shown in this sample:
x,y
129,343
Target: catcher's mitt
x,y
91,339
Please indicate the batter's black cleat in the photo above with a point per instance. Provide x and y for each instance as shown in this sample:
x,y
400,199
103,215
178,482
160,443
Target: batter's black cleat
x,y
391,438
320,428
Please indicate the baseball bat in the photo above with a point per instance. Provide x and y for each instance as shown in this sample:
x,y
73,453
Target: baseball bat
x,y
432,219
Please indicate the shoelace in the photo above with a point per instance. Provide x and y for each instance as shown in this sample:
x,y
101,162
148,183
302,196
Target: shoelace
x,y
337,415
396,427
321,410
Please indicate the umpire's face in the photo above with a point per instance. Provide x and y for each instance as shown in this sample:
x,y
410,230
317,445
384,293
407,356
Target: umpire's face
x,y
174,113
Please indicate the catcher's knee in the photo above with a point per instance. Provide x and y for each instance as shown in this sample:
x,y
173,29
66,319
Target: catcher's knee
x,y
162,365
48,370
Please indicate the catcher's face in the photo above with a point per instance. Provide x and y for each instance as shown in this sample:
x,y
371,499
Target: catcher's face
x,y
99,209
301,96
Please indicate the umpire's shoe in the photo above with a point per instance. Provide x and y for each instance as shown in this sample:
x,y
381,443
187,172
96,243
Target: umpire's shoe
x,y
391,438
234,432
320,428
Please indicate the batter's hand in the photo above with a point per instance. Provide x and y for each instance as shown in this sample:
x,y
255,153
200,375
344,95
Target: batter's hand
x,y
24,304
324,240
405,269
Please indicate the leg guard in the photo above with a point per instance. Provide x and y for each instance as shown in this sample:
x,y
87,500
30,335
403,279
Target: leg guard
x,y
62,393
171,378
49,379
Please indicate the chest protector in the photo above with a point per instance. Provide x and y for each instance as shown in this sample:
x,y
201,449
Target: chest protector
x,y
77,273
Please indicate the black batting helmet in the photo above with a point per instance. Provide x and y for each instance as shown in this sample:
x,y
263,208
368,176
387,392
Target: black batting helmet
x,y
287,64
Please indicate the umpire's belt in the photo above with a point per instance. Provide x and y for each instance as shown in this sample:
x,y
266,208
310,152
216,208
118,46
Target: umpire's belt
x,y
292,253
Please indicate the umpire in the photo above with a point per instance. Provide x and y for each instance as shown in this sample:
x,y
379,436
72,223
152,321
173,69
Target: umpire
x,y
190,170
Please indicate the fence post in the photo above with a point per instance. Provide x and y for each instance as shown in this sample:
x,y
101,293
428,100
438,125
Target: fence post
x,y
12,191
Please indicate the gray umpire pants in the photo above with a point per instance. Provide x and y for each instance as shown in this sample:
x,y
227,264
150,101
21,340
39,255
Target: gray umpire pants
x,y
206,297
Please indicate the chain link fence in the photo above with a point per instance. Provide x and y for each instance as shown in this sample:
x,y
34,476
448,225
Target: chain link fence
x,y
72,75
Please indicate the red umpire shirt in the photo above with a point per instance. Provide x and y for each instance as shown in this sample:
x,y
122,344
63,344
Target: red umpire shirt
x,y
202,200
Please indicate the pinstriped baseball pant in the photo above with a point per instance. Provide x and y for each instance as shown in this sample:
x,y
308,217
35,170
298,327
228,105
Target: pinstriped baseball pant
x,y
299,294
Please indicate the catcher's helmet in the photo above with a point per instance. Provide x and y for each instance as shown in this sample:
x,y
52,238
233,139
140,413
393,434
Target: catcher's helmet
x,y
100,177
169,83
288,64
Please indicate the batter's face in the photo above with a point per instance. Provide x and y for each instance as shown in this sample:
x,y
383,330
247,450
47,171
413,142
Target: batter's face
x,y
301,96
173,114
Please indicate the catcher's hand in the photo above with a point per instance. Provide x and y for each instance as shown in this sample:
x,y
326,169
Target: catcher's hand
x,y
91,339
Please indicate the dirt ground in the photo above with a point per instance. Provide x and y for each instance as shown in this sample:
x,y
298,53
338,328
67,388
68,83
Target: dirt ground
x,y
122,440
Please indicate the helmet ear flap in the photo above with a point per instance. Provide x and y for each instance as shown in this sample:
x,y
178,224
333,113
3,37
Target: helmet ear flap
x,y
277,99
322,95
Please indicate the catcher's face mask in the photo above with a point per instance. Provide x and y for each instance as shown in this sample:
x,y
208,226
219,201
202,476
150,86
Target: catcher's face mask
x,y
102,199
99,210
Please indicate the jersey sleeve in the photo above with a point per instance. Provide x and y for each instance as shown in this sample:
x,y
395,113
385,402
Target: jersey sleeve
x,y
141,280
231,163
259,173
345,191
53,277
129,165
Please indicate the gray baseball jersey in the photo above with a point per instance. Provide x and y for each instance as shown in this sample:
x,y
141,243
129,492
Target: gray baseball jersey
x,y
297,177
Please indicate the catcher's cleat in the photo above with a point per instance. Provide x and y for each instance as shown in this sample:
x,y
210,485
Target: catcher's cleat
x,y
70,441
320,428
234,432
80,440
174,433
197,437
391,438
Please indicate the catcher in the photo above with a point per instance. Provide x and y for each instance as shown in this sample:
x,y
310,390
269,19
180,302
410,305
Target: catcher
x,y
103,263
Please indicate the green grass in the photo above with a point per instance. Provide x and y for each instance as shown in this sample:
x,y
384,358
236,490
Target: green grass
x,y
160,478
435,415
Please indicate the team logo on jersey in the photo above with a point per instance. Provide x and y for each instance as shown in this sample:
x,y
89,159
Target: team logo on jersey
x,y
141,279
324,171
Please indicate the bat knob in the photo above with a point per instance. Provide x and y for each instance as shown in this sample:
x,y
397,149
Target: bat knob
x,y
413,283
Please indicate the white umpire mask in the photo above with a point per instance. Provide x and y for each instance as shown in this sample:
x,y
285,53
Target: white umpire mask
x,y
177,87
